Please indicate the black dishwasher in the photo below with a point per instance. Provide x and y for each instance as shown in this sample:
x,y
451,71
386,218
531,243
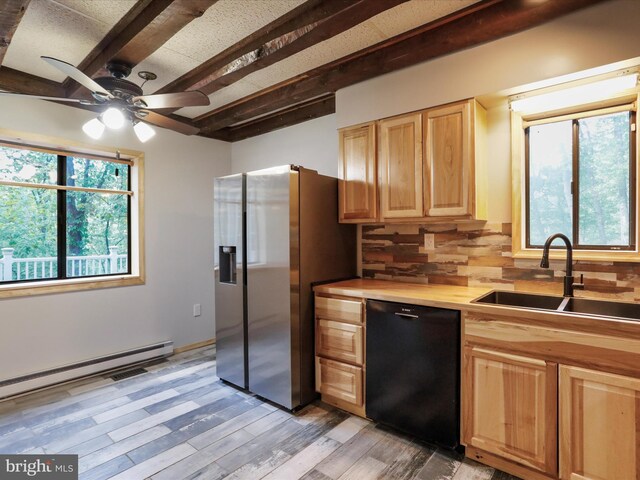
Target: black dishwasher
x,y
413,370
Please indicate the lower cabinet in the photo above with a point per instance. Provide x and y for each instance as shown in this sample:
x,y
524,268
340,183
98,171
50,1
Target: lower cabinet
x,y
599,425
340,340
510,407
339,380
340,352
538,401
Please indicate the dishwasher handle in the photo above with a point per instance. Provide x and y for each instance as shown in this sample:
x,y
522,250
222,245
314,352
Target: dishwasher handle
x,y
408,316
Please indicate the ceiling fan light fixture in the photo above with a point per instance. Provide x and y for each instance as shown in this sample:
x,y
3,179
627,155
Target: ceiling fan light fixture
x,y
113,118
94,128
143,131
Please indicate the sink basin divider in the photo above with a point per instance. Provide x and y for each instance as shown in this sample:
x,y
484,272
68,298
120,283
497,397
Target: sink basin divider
x,y
563,304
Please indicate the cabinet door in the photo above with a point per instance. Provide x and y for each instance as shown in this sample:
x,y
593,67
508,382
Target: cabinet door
x,y
357,191
448,173
599,418
510,407
401,167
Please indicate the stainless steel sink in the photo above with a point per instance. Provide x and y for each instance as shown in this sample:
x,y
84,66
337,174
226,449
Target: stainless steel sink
x,y
522,300
588,306
579,306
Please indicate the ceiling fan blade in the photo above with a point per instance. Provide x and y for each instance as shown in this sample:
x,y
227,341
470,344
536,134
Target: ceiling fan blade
x,y
53,99
166,122
193,98
72,72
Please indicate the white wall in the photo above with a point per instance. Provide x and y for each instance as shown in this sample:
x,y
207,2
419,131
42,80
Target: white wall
x,y
312,144
46,331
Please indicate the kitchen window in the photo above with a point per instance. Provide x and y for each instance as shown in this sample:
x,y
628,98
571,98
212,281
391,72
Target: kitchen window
x,y
68,219
578,177
580,180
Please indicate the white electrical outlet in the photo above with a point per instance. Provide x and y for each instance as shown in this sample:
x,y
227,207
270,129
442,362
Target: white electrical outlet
x,y
196,310
429,241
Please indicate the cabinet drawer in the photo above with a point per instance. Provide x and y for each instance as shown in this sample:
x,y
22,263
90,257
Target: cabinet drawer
x,y
339,380
340,341
339,309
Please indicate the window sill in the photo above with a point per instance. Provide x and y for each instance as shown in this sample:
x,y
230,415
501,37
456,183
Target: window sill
x,y
69,285
584,255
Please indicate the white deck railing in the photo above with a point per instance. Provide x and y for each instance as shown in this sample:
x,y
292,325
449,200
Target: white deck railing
x,y
47,267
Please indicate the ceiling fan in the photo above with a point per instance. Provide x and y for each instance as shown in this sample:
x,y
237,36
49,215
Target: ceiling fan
x,y
124,100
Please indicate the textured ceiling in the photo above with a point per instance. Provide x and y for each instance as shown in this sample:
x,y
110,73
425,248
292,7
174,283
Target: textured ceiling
x,y
222,25
269,75
70,29
65,29
388,24
392,22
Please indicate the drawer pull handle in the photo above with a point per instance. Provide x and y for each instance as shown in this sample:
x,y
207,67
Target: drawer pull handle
x,y
406,315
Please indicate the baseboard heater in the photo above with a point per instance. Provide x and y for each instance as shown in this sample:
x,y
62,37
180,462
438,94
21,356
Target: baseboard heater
x,y
46,378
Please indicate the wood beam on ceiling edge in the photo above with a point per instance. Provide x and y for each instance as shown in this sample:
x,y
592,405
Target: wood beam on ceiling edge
x,y
304,26
139,33
314,108
19,82
479,23
11,12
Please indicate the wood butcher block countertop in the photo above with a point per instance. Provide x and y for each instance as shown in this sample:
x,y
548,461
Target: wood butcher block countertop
x,y
459,298
441,296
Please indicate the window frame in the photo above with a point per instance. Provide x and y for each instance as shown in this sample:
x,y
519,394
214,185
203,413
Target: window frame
x,y
520,235
62,147
575,179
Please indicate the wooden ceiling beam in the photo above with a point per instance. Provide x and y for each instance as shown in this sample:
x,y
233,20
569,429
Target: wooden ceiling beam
x,y
482,22
139,33
19,82
310,23
11,12
314,108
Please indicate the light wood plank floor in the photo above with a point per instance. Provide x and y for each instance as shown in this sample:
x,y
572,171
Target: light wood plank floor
x,y
178,421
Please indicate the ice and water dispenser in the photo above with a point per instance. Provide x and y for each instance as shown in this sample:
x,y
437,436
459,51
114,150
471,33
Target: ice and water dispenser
x,y
227,264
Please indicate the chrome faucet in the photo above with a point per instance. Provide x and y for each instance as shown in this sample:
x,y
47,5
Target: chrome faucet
x,y
569,285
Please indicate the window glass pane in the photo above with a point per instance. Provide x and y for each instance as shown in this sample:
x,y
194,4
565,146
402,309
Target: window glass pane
x,y
28,166
550,203
88,173
28,233
604,180
97,231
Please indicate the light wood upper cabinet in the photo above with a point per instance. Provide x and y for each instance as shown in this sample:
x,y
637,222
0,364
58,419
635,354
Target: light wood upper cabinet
x,y
358,185
599,418
431,166
454,173
510,407
401,167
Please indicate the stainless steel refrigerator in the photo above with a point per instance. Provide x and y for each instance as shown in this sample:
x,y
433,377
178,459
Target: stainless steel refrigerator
x,y
276,233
